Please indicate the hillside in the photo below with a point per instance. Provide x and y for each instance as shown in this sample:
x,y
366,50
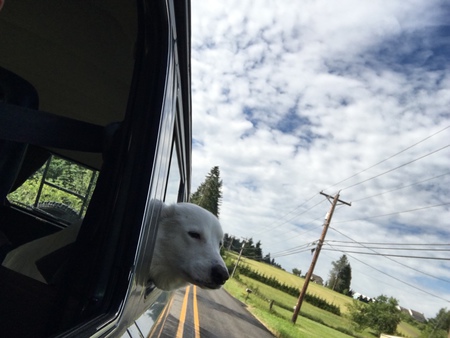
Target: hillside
x,y
290,279
284,302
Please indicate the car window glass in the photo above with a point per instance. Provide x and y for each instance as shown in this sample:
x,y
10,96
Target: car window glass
x,y
61,188
173,182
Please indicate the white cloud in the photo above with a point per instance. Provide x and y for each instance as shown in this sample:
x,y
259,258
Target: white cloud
x,y
290,99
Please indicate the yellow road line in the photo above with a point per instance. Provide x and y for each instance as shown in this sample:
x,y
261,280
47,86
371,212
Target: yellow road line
x,y
183,314
162,319
196,320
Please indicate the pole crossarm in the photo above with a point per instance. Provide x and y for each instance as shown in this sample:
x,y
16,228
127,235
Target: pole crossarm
x,y
330,199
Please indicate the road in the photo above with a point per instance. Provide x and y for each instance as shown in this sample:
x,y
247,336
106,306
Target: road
x,y
195,313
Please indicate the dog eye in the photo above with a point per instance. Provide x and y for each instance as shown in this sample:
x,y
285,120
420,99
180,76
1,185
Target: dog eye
x,y
193,234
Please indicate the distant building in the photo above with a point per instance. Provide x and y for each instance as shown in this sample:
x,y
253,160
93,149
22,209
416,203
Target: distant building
x,y
420,317
362,298
316,279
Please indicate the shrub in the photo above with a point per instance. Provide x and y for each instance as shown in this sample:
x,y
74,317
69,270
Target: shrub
x,y
291,290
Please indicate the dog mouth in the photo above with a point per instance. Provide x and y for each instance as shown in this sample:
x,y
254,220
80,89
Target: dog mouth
x,y
204,284
217,276
207,285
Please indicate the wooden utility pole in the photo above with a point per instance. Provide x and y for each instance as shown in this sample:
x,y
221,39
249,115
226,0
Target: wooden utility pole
x,y
239,258
317,251
231,243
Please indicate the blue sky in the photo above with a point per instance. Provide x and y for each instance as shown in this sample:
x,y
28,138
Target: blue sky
x,y
290,99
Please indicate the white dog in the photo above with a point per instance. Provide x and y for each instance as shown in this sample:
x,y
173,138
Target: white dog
x,y
186,250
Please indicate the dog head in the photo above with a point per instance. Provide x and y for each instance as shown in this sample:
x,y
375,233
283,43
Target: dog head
x,y
187,249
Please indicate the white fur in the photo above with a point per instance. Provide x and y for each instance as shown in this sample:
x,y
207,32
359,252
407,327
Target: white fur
x,y
181,258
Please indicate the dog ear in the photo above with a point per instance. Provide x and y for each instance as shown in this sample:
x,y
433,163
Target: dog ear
x,y
167,211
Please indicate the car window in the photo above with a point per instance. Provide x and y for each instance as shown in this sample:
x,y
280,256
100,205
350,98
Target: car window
x,y
173,182
61,189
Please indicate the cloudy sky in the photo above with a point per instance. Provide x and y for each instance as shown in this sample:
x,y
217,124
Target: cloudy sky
x,y
292,98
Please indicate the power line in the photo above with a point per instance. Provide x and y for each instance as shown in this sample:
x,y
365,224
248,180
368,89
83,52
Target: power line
x,y
294,248
390,255
391,259
290,219
289,253
383,193
384,248
394,213
388,158
402,187
307,247
399,280
303,232
360,271
388,243
400,166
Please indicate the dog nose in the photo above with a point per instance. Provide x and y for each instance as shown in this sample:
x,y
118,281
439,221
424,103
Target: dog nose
x,y
219,274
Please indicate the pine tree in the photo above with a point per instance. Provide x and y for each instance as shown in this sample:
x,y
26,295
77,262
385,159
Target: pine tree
x,y
258,251
340,275
209,193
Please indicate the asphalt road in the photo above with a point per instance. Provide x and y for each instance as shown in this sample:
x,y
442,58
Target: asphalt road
x,y
195,313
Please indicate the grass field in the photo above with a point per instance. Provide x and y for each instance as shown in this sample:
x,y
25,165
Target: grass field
x,y
278,320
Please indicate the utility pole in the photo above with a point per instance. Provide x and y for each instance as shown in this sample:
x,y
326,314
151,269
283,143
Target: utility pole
x,y
231,243
317,251
239,258
336,280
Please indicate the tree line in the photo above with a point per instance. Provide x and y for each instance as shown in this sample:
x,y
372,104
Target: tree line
x,y
250,249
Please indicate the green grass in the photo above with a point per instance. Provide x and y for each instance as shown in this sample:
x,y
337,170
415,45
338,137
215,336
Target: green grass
x,y
408,330
289,279
279,319
286,300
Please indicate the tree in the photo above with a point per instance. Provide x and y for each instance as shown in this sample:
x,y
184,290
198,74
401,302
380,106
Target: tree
x,y
209,193
296,272
258,251
266,258
340,275
442,320
380,315
438,326
249,249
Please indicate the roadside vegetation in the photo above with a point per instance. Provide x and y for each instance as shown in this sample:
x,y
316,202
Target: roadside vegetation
x,y
313,320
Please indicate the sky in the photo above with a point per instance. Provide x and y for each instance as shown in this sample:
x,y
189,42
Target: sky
x,y
293,98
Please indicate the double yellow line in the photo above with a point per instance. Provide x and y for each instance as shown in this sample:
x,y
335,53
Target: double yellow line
x,y
184,311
